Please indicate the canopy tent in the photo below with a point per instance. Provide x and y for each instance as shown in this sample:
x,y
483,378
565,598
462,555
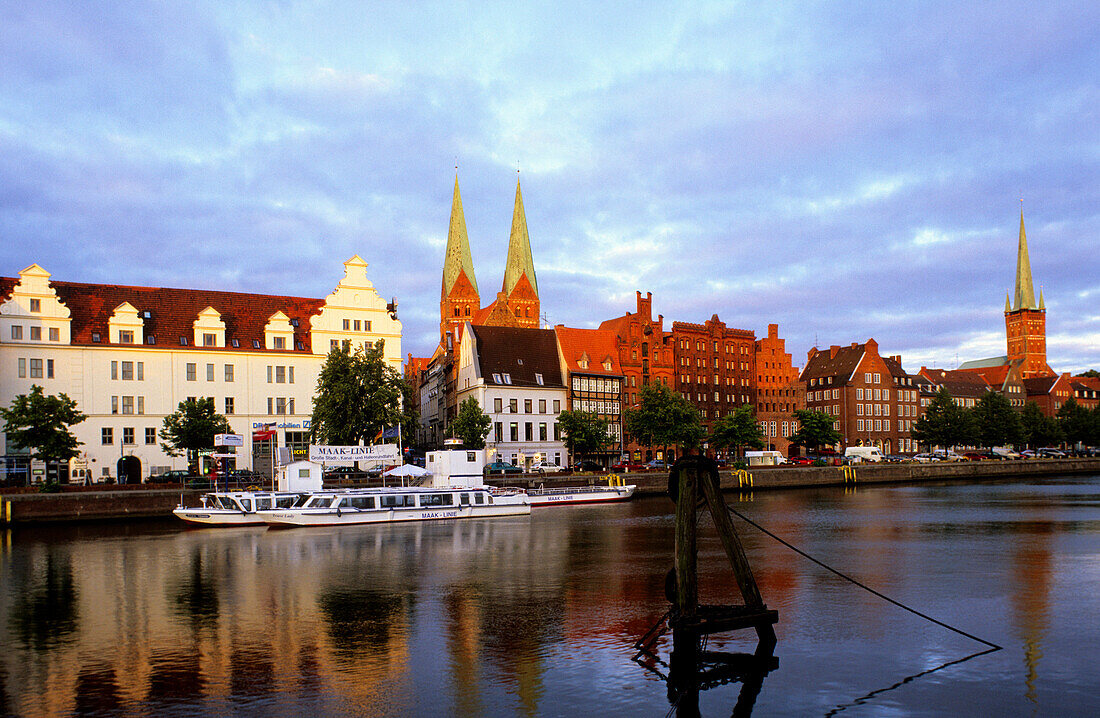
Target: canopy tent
x,y
407,470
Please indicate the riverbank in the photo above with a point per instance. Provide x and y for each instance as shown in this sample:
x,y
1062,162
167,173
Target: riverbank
x,y
141,503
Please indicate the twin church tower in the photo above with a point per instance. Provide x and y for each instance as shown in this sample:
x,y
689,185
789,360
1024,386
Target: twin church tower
x,y
517,302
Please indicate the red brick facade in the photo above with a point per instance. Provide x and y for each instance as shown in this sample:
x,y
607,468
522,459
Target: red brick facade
x,y
715,367
779,392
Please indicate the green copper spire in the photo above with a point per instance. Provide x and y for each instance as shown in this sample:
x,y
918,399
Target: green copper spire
x,y
1025,290
519,250
458,257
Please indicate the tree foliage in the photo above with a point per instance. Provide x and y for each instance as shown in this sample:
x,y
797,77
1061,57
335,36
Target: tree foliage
x,y
996,422
663,418
471,424
358,394
1075,422
737,429
585,433
41,424
815,429
1038,428
944,423
192,427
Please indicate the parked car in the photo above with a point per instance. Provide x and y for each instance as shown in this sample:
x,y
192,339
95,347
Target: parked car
x,y
895,459
658,464
588,465
502,467
926,458
544,467
1027,454
1050,453
627,465
974,456
175,476
799,460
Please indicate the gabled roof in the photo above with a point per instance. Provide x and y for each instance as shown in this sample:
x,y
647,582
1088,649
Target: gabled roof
x,y
599,346
174,312
895,368
984,363
842,364
1040,385
520,352
959,383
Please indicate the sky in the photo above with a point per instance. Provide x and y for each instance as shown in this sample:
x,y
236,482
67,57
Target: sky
x,y
844,169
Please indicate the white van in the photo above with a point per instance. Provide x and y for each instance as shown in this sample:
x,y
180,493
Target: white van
x,y
764,458
863,453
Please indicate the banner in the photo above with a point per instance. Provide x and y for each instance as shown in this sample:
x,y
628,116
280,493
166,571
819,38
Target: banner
x,y
379,453
263,435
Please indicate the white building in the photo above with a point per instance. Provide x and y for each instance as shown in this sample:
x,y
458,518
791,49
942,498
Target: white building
x,y
515,376
129,355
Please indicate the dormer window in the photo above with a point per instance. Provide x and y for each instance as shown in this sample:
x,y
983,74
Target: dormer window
x,y
278,342
125,337
95,336
209,339
36,305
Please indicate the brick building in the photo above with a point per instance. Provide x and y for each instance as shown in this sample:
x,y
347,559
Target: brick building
x,y
645,355
864,394
1050,392
779,391
594,381
715,367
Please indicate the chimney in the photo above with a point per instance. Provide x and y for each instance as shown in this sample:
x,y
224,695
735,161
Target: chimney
x,y
773,331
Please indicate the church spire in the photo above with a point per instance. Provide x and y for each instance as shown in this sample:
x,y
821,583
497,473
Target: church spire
x,y
519,260
1025,290
458,258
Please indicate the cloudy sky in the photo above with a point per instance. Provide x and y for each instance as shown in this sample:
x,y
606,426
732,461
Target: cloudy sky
x,y
846,169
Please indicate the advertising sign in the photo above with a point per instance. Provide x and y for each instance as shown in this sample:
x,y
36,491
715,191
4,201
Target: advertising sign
x,y
379,453
228,439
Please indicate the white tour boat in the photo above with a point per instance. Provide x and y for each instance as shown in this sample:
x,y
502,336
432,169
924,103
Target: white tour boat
x,y
453,489
580,494
235,508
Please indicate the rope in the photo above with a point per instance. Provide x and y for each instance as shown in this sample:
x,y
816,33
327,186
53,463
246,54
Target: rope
x,y
864,586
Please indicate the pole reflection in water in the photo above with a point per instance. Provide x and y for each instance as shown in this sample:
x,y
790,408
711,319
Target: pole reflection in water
x,y
538,615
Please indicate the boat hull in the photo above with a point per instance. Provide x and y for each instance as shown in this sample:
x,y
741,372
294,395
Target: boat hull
x,y
347,517
217,517
580,495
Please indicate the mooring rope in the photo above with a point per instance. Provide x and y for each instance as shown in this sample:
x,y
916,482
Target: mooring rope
x,y
862,585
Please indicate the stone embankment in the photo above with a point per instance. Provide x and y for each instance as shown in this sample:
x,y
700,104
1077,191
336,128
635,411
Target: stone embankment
x,y
20,507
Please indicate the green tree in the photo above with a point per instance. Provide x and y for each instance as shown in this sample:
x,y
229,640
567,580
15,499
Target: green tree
x,y
996,422
737,429
191,428
358,394
1075,422
1091,373
815,429
41,424
663,418
944,423
1038,428
471,425
585,433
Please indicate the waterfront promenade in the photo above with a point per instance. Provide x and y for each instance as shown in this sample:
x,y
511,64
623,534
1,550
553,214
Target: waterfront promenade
x,y
138,502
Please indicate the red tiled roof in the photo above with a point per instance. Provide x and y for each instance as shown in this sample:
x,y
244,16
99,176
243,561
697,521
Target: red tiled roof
x,y
521,352
174,312
824,364
598,344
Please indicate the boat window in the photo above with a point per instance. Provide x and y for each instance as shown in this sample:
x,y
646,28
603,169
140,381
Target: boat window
x,y
263,503
319,502
285,502
246,504
397,501
437,499
360,502
464,499
301,501
479,498
223,502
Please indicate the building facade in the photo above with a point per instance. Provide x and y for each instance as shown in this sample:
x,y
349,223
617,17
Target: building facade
x,y
594,380
715,367
779,391
129,355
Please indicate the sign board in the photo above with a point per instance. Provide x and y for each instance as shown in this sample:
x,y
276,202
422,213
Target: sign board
x,y
224,456
228,439
379,453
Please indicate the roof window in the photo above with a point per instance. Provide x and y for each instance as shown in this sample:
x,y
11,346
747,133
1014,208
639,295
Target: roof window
x,y
299,346
294,322
236,343
255,343
507,378
496,379
538,379
183,341
95,336
151,339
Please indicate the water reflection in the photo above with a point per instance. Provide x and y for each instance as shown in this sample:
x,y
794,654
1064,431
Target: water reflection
x,y
536,616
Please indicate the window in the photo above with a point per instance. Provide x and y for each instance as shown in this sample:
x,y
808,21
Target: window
x,y
877,377
95,337
141,405
255,343
228,405
498,405
528,431
36,368
290,374
279,342
513,406
55,334
128,406
507,378
270,374
513,431
150,339
209,339
36,334
270,405
557,406
229,372
542,406
49,368
22,368
557,431
542,432
127,370
150,435
358,325
36,305
526,406
280,375
498,432
106,435
538,379
333,344
190,371
141,371
128,435
347,325
126,337
114,404
280,405
16,331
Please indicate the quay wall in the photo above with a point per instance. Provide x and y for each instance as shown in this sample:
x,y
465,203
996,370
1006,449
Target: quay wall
x,y
21,507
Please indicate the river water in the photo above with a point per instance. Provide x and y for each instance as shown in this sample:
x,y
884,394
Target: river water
x,y
537,616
